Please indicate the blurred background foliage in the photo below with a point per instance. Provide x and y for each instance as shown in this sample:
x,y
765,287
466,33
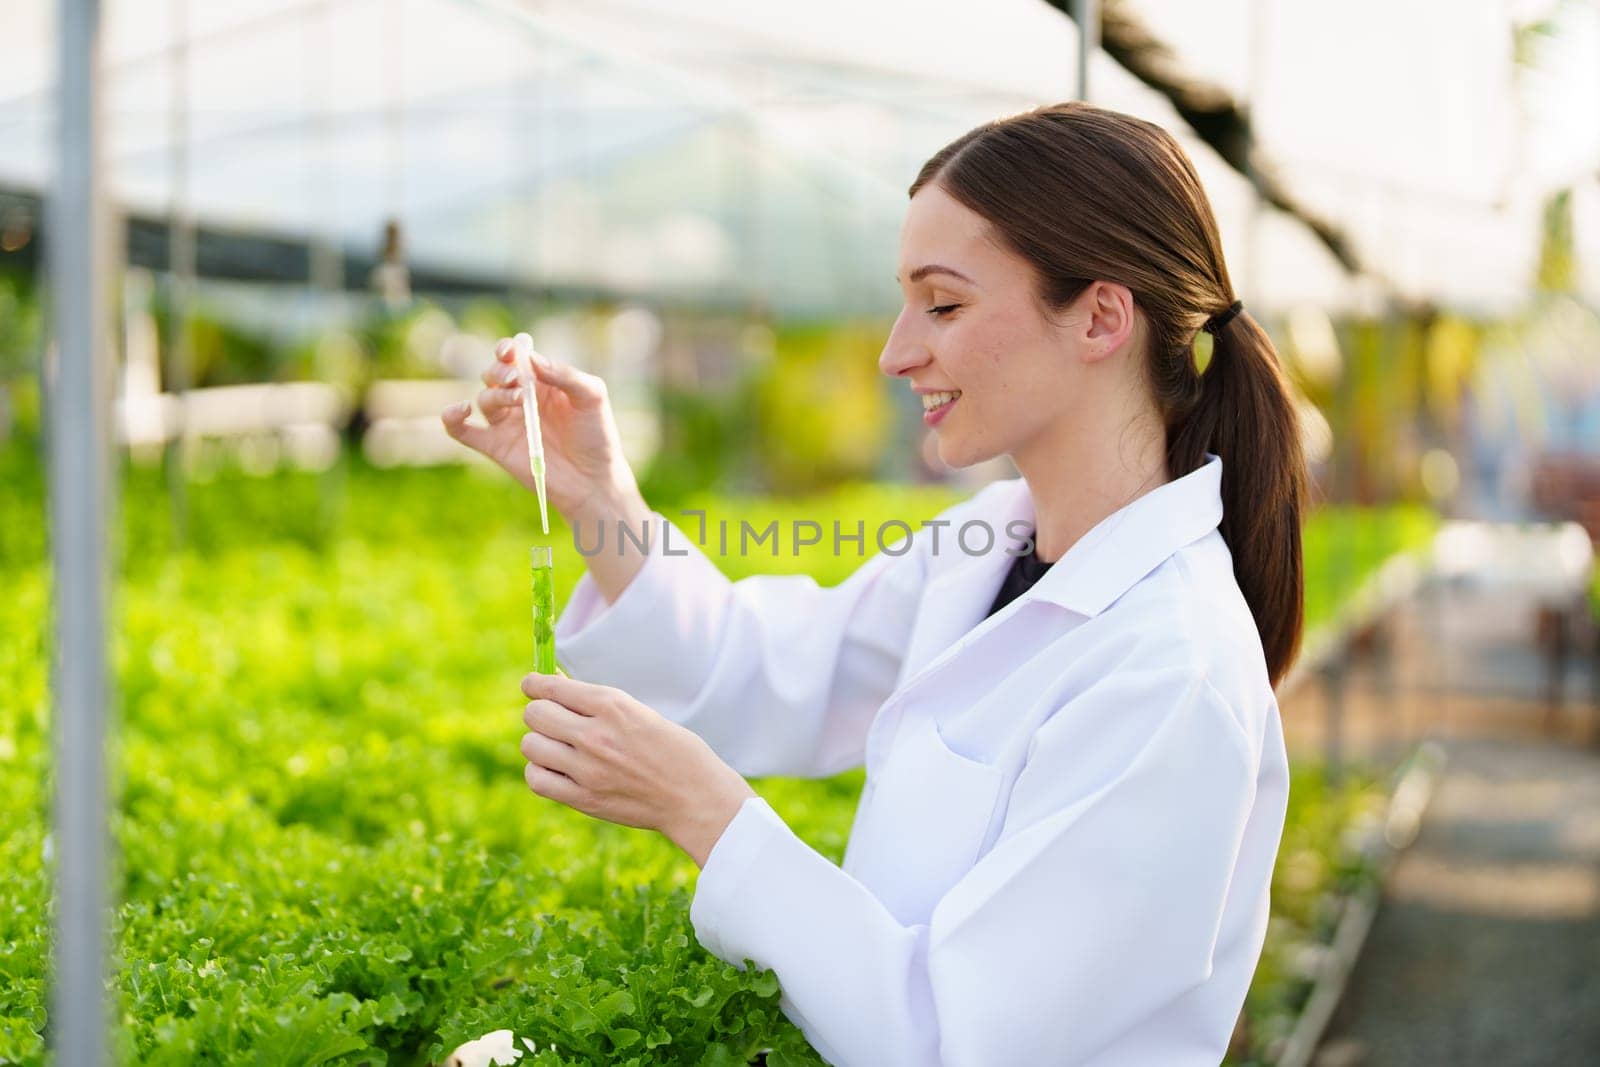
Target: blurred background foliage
x,y
785,407
823,415
741,399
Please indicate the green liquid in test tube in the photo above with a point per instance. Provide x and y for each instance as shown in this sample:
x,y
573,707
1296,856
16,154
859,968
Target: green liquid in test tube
x,y
544,610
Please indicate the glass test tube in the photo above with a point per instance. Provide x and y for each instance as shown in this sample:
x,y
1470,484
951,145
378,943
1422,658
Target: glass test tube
x,y
544,610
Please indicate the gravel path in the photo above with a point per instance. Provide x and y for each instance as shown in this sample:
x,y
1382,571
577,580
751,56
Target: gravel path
x,y
1486,949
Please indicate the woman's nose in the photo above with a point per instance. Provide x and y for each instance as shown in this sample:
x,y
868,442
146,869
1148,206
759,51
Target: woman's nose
x,y
901,353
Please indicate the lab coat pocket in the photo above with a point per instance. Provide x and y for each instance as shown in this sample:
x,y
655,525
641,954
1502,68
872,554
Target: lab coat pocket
x,y
925,822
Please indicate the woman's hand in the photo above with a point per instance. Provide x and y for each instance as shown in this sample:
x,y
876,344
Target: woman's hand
x,y
600,751
586,475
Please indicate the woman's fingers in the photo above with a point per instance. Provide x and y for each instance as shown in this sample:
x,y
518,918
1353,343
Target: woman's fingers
x,y
456,425
494,402
547,752
499,374
585,390
503,371
552,785
553,720
579,698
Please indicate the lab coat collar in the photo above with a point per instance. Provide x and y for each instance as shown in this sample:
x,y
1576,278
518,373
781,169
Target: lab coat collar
x,y
1131,542
1104,563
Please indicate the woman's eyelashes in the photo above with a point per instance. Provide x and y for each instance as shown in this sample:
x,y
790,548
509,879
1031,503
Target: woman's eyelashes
x,y
942,310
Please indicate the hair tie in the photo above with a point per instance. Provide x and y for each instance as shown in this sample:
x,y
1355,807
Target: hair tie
x,y
1216,322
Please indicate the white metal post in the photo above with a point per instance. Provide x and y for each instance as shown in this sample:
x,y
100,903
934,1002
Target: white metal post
x,y
79,386
1086,13
182,265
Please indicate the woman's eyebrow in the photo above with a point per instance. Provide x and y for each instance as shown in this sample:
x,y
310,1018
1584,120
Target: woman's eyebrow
x,y
934,268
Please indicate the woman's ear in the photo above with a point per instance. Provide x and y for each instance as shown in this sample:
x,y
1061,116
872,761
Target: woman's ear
x,y
1108,320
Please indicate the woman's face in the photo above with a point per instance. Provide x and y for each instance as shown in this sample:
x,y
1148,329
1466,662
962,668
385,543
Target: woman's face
x,y
972,327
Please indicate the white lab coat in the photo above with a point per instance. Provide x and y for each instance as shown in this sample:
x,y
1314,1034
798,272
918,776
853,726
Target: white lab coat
x,y
1063,851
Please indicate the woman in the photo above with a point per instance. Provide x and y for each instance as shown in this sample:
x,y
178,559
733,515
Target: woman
x,y
1076,776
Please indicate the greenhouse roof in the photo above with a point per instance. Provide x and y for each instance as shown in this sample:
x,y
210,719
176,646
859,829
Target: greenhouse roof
x,y
675,147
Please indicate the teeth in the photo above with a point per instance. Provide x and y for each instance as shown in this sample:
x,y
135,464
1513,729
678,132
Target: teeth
x,y
934,400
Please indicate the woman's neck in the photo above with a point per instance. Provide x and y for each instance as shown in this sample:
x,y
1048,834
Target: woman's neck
x,y
1077,481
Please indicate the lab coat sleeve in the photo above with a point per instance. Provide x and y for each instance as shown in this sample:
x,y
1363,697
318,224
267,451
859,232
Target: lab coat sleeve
x,y
779,675
1069,942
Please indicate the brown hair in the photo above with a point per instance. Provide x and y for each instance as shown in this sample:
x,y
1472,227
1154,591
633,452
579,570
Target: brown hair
x,y
1087,194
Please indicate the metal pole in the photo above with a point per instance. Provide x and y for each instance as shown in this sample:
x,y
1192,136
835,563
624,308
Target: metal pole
x,y
325,254
181,269
322,162
525,175
1086,13
79,404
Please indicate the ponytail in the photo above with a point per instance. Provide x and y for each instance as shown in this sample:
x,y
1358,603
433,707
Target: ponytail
x,y
1244,413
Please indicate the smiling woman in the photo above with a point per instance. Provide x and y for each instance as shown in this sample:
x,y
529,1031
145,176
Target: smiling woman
x,y
1076,778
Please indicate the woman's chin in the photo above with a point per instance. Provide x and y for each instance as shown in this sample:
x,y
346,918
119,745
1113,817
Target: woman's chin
x,y
957,454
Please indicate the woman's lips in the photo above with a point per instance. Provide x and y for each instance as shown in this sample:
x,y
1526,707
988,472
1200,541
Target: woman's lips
x,y
935,406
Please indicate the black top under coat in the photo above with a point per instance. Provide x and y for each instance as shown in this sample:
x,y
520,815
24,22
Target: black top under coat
x,y
1024,571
